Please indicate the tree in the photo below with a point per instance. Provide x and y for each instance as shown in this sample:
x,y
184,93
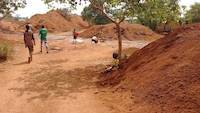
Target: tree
x,y
8,6
193,15
94,17
154,12
114,10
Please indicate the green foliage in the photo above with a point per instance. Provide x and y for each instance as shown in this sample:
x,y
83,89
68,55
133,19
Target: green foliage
x,y
114,8
93,16
8,6
151,13
193,15
155,12
5,51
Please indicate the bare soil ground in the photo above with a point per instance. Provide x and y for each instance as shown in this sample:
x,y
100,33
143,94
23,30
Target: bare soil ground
x,y
62,81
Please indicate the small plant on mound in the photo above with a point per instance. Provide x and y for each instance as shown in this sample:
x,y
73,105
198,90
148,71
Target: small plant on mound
x,y
5,50
65,13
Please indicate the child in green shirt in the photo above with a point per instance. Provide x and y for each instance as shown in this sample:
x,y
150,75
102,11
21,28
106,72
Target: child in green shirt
x,y
43,37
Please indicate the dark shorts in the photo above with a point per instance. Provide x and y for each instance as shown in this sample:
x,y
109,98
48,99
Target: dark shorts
x,y
43,40
30,48
95,41
75,37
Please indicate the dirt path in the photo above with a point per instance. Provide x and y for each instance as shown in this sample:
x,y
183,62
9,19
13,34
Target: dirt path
x,y
58,82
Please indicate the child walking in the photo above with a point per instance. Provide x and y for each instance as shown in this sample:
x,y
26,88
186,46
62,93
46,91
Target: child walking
x,y
29,42
43,37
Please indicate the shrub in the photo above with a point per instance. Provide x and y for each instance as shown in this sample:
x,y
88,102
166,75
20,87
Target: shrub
x,y
5,51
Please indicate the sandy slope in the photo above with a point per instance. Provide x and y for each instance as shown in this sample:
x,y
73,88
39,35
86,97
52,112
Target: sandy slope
x,y
163,77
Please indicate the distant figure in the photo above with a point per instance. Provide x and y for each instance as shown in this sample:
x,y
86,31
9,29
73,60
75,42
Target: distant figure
x,y
29,42
186,22
95,39
75,35
167,27
180,23
43,37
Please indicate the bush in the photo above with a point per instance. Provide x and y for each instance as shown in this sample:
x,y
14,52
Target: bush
x,y
5,51
193,15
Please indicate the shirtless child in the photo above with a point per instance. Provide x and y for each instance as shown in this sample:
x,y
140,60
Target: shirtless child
x,y
29,42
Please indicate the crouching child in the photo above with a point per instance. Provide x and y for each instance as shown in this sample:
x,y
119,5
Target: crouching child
x,y
95,40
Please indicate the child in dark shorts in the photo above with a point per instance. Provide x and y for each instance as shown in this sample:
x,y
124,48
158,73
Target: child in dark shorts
x,y
75,35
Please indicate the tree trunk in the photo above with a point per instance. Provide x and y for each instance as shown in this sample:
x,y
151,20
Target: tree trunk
x,y
117,24
119,43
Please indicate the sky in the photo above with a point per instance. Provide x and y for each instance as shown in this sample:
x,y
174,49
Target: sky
x,y
38,7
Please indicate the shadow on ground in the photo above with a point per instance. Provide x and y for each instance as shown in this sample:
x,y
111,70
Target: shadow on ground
x,y
54,82
54,62
55,48
21,63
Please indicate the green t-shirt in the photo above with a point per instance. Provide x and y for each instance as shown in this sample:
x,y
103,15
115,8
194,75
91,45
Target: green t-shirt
x,y
43,34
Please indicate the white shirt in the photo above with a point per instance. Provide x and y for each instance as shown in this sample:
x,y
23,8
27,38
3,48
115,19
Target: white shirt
x,y
94,38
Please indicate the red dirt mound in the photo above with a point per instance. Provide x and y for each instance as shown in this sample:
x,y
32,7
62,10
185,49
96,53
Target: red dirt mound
x,y
55,22
131,32
78,22
8,26
164,77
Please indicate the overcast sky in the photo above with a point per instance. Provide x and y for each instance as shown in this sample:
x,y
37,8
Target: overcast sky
x,y
37,7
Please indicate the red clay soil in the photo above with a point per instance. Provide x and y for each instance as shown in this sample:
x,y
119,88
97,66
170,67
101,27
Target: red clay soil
x,y
131,31
78,22
164,77
8,26
55,22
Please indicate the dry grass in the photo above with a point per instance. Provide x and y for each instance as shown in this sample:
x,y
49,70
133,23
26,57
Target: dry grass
x,y
5,50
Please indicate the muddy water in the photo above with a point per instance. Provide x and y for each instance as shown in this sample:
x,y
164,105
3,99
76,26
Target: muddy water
x,y
113,43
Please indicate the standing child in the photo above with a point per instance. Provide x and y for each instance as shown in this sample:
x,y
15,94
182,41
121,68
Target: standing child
x,y
43,38
29,42
75,35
